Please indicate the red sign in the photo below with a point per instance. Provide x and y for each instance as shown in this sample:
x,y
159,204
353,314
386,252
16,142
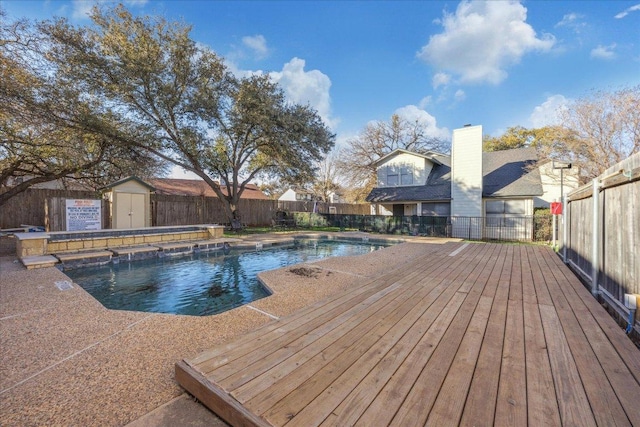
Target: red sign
x,y
556,208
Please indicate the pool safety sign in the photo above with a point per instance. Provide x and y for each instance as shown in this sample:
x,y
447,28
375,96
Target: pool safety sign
x,y
83,214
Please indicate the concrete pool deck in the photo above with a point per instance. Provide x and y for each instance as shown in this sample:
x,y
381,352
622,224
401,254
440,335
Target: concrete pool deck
x,y
67,360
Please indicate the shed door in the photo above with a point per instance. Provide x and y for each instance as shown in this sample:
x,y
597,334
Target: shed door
x,y
138,210
130,210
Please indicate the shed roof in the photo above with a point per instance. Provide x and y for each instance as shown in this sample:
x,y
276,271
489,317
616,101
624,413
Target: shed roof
x,y
127,179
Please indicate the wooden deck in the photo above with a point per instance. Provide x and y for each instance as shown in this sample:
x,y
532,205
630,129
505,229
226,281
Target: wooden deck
x,y
476,334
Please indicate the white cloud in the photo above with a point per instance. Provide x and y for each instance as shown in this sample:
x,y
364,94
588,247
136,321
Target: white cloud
x,y
440,79
570,20
424,102
482,39
257,44
604,52
627,11
574,21
548,113
81,9
459,95
413,113
302,87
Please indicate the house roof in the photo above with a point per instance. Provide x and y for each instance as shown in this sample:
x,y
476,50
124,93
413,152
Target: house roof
x,y
438,187
508,173
429,155
197,187
505,174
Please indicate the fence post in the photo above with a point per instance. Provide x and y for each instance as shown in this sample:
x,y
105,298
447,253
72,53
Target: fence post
x,y
595,261
565,217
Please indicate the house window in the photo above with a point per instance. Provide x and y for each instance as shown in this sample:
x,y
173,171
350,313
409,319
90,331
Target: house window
x,y
501,207
406,175
515,207
505,213
436,209
392,176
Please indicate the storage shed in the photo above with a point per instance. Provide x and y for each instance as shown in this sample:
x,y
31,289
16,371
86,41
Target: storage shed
x,y
130,200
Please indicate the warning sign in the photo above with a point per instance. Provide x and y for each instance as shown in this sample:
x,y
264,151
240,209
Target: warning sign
x,y
556,208
83,214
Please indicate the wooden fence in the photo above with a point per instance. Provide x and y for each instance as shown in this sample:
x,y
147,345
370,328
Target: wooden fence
x,y
32,207
185,210
603,244
46,208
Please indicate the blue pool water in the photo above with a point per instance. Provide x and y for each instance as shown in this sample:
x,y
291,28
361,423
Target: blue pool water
x,y
201,284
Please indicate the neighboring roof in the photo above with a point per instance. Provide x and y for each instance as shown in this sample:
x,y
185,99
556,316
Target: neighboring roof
x,y
505,174
197,187
56,184
429,155
127,179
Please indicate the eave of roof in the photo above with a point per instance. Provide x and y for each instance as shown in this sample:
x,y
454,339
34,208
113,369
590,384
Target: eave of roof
x,y
127,179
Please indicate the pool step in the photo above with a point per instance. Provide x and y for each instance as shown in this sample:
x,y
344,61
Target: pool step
x,y
84,259
134,253
72,260
175,249
214,244
39,261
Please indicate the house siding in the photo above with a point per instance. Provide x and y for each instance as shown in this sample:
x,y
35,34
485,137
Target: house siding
x,y
550,179
420,170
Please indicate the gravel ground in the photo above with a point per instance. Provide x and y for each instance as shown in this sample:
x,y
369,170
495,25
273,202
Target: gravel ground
x,y
66,360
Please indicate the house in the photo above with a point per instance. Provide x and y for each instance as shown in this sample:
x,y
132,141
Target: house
x,y
556,181
197,187
56,184
297,194
469,184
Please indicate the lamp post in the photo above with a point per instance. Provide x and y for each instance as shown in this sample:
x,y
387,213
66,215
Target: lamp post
x,y
562,166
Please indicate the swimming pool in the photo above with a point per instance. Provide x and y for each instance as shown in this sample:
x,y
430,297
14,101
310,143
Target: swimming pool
x,y
205,283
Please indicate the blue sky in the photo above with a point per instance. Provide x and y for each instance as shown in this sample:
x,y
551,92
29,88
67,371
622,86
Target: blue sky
x,y
448,63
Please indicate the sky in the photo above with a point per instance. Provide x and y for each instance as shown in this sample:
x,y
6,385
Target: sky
x,y
446,63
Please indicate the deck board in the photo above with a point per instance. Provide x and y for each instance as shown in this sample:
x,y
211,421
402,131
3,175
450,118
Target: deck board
x,y
488,335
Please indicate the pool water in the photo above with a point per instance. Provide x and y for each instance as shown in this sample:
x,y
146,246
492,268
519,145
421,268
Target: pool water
x,y
201,284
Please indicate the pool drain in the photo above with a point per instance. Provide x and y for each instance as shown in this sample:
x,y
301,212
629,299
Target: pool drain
x,y
64,285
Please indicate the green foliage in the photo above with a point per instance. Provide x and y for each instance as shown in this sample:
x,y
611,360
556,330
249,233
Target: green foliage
x,y
597,131
50,129
182,105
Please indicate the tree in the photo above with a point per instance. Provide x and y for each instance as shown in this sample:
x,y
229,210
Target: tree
x,y
604,129
183,106
597,132
47,130
327,178
550,142
378,139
